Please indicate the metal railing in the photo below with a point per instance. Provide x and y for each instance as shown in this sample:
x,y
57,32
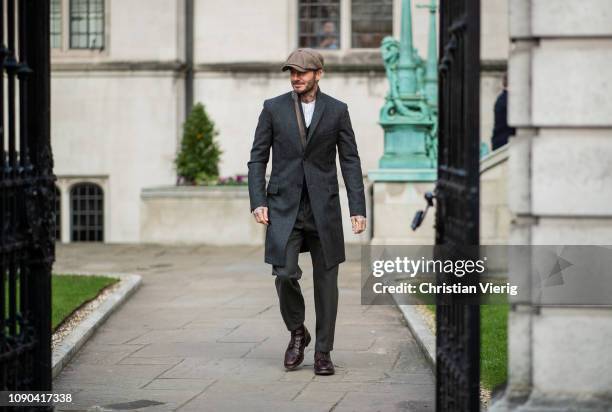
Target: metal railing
x,y
27,197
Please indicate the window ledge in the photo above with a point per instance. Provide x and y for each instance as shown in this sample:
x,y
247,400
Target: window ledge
x,y
336,61
89,54
352,57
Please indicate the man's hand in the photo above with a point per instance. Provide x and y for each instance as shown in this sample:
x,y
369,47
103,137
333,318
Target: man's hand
x,y
261,215
359,224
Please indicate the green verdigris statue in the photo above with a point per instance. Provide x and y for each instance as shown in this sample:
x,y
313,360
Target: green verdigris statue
x,y
409,115
394,104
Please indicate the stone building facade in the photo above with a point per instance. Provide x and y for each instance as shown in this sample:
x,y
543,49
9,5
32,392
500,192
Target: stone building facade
x,y
122,73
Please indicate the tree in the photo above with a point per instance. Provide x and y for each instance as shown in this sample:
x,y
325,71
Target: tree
x,y
198,160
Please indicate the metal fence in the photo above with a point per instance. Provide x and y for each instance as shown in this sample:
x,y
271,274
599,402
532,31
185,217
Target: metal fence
x,y
27,197
457,195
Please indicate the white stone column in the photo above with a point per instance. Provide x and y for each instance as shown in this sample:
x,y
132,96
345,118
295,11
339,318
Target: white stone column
x,y
560,189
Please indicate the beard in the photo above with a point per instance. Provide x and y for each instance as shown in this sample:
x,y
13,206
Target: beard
x,y
308,87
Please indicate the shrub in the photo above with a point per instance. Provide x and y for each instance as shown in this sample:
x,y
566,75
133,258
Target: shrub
x,y
198,160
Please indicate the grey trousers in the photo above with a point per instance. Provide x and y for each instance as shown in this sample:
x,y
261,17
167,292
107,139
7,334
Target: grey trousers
x,y
325,281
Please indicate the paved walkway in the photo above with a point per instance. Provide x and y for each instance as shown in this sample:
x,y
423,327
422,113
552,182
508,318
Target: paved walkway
x,y
204,333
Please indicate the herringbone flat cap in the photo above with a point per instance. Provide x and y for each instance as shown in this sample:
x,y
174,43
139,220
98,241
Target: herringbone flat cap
x,y
304,59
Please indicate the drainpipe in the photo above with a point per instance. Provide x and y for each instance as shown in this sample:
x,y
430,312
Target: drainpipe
x,y
188,57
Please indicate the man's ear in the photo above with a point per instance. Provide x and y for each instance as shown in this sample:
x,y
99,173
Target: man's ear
x,y
319,74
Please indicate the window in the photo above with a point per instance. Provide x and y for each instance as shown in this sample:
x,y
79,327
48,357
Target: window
x,y
87,213
83,29
371,21
86,24
319,24
56,24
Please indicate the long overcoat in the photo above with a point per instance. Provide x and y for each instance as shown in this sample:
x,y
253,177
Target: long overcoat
x,y
278,129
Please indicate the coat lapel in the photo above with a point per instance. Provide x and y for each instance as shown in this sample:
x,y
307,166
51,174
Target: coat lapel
x,y
316,116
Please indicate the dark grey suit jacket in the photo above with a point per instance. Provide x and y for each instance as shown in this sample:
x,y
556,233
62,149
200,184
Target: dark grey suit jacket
x,y
278,129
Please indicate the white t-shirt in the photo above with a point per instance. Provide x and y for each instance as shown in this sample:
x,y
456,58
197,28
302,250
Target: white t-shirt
x,y
308,109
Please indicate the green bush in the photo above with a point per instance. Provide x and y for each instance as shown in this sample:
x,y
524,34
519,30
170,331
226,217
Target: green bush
x,y
198,160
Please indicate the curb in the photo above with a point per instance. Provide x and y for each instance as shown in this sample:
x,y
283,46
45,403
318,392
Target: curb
x,y
426,340
421,332
70,345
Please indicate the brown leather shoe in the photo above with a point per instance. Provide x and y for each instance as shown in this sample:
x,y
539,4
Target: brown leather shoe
x,y
323,364
294,355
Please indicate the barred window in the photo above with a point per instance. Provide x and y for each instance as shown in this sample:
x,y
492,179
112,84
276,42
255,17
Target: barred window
x,y
319,24
86,24
87,213
371,21
56,24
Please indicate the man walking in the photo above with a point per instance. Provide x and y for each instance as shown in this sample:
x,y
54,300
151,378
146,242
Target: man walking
x,y
301,205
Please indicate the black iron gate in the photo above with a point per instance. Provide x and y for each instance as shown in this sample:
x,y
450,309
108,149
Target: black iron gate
x,y
457,194
27,197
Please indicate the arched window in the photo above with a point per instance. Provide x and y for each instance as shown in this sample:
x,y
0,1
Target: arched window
x,y
58,214
86,213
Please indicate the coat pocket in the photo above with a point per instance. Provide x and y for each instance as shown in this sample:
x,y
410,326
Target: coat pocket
x,y
272,188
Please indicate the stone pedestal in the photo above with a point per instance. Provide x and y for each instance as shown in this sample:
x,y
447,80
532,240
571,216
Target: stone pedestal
x,y
405,145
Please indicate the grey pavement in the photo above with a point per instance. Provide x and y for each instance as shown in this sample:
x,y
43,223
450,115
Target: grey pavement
x,y
204,333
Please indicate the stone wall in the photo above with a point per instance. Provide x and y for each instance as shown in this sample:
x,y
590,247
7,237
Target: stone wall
x,y
559,179
214,215
495,216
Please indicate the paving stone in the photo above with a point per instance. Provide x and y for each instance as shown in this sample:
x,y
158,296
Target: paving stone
x,y
108,375
180,335
107,335
254,405
139,360
255,330
232,388
198,368
214,323
209,350
303,374
168,399
319,395
404,399
179,384
91,357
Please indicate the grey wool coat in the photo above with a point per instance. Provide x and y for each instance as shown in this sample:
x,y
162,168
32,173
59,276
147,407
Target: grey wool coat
x,y
278,129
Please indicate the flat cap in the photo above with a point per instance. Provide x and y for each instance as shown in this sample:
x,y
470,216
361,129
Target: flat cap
x,y
304,59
